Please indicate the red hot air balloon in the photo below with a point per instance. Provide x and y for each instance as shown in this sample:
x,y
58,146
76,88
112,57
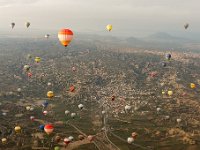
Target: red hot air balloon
x,y
65,36
71,88
48,128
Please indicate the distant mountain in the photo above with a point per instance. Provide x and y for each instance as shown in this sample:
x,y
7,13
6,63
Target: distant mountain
x,y
166,38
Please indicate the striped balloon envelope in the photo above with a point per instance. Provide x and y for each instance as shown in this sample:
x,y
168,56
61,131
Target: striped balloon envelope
x,y
65,36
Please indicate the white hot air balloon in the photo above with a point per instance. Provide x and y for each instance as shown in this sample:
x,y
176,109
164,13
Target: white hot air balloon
x,y
67,112
127,108
73,115
178,120
130,140
47,36
80,106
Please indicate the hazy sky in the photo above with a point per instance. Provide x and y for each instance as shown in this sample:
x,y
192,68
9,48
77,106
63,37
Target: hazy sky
x,y
129,17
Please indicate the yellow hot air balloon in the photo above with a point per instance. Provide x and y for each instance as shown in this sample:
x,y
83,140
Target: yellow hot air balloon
x,y
170,93
4,140
50,94
192,85
163,92
37,59
17,129
109,27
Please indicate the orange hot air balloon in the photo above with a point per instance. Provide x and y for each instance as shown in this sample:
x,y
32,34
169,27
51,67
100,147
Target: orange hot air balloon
x,y
48,128
65,36
71,88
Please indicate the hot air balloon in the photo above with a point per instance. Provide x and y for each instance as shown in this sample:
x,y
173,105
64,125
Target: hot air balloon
x,y
192,85
71,138
45,104
168,56
45,112
67,112
170,93
29,74
12,25
134,135
130,140
178,120
66,141
32,118
73,115
57,148
28,108
37,59
80,106
127,108
109,27
19,90
71,88
26,68
65,36
90,138
48,128
158,109
27,24
103,112
4,113
163,92
17,129
4,140
41,127
50,94
47,36
49,84
186,25
31,109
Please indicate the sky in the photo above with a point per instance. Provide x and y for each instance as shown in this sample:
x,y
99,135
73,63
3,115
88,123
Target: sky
x,y
128,17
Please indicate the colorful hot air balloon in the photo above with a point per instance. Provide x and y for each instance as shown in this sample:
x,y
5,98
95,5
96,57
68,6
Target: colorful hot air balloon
x,y
109,27
65,36
48,128
168,56
192,85
50,94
